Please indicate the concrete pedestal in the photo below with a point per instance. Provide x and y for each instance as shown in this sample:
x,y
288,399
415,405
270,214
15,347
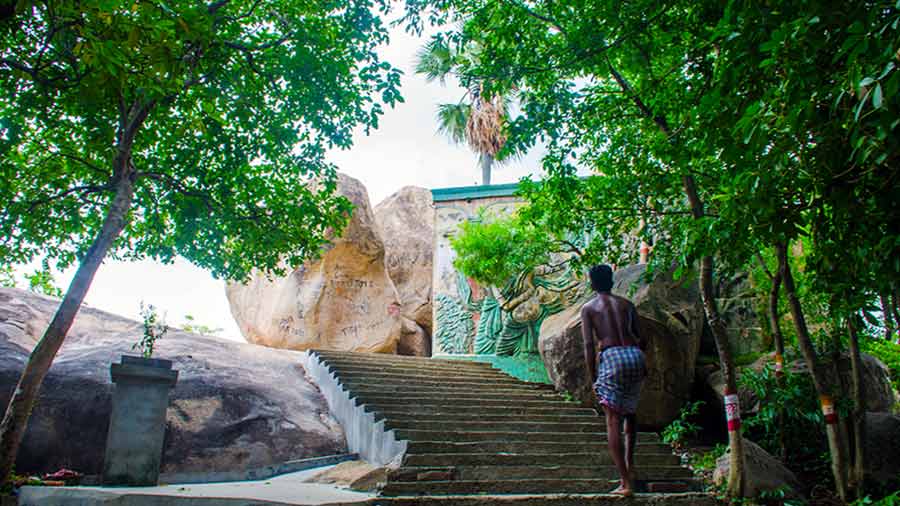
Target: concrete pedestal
x,y
137,425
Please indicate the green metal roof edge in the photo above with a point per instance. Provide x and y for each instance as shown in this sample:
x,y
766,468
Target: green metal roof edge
x,y
474,192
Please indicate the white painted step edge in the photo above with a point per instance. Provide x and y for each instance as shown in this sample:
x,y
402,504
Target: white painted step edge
x,y
366,437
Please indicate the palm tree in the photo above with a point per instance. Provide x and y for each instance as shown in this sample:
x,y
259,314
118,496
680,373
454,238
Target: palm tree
x,y
476,119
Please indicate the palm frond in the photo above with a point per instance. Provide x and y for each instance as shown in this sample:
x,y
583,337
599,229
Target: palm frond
x,y
434,60
452,121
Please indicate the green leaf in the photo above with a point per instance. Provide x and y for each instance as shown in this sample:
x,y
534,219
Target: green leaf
x,y
861,104
877,96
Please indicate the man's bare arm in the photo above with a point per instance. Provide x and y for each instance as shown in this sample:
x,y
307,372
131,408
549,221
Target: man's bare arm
x,y
587,335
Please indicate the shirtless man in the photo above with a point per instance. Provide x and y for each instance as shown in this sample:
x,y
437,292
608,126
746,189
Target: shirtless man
x,y
615,367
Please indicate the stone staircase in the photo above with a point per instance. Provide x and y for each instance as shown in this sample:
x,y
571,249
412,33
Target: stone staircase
x,y
474,431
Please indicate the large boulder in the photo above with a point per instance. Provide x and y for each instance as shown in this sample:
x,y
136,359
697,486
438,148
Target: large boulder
x,y
670,318
877,389
739,302
762,472
235,406
882,448
406,219
344,300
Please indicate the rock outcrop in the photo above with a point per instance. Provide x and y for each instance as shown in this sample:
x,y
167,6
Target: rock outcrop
x,y
670,319
738,303
343,300
762,472
406,219
883,448
235,406
877,388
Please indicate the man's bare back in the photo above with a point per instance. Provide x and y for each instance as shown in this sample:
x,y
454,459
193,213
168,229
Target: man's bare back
x,y
607,320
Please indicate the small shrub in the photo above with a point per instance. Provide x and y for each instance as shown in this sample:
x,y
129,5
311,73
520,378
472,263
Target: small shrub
x,y
891,500
706,461
677,432
802,427
154,329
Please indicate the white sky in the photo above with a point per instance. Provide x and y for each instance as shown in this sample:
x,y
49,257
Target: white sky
x,y
405,150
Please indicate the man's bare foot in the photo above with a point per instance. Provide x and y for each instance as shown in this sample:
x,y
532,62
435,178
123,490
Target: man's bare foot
x,y
623,490
632,478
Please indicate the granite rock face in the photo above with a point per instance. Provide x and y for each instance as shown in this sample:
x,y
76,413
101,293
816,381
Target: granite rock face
x,y
406,220
877,388
235,406
670,319
763,472
343,300
882,448
738,301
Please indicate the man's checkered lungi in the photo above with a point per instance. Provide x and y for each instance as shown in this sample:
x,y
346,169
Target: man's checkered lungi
x,y
620,373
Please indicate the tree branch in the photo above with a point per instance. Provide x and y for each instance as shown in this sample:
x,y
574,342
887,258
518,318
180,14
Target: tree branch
x,y
176,185
765,268
85,189
215,6
645,110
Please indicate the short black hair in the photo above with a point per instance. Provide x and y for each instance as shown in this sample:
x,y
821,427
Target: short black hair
x,y
601,278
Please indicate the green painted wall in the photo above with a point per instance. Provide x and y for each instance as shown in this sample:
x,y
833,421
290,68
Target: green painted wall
x,y
524,367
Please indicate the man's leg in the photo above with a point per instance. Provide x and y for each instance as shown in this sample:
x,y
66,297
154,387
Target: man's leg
x,y
630,445
613,433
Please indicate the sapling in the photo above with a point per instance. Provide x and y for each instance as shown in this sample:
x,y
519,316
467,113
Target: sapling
x,y
154,328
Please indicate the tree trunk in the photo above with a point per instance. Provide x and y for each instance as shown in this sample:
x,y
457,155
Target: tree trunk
x,y
838,462
859,410
15,420
778,338
717,325
895,308
888,316
487,161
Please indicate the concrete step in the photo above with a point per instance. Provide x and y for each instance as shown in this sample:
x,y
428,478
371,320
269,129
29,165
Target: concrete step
x,y
416,371
520,426
437,391
488,413
580,458
398,360
462,398
536,486
499,435
684,499
449,404
477,385
533,472
525,447
461,419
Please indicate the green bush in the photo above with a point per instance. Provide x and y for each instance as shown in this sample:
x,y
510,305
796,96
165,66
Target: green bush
x,y
706,461
802,427
891,500
677,432
492,250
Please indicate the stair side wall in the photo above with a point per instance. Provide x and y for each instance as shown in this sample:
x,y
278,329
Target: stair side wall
x,y
366,437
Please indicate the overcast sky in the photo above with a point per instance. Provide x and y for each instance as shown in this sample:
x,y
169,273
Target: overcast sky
x,y
405,150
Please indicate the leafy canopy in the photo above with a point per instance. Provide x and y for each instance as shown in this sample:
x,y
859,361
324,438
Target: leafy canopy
x,y
494,250
225,110
784,116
